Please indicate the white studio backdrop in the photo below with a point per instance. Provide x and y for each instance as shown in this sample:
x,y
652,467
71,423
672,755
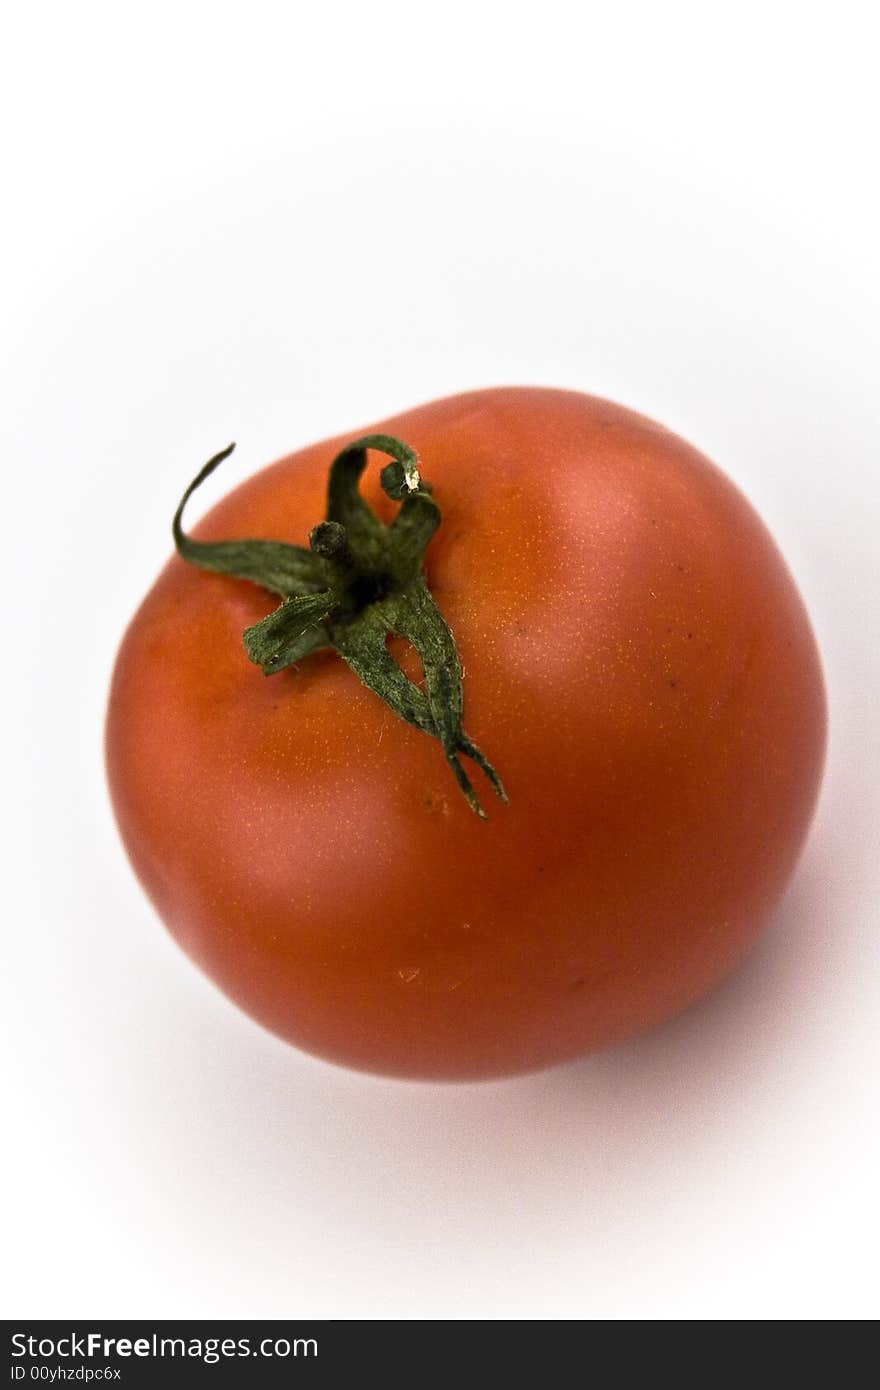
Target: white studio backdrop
x,y
274,225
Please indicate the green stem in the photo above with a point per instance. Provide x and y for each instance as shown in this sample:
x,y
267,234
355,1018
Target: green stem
x,y
359,582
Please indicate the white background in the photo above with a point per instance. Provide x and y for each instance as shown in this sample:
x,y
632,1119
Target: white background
x,y
277,222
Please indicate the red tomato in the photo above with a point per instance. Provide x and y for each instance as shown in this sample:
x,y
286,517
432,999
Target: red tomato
x,y
638,667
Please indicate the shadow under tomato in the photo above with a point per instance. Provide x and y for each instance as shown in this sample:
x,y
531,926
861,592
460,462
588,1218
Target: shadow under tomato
x,y
561,1161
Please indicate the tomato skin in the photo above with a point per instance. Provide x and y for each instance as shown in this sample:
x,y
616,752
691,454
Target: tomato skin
x,y
639,668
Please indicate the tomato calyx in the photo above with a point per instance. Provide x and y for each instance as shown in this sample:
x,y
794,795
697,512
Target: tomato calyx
x,y
359,582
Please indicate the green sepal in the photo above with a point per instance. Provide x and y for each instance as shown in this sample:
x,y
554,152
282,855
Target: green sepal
x,y
291,632
359,583
274,565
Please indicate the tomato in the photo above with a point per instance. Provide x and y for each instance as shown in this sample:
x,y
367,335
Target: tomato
x,y
640,670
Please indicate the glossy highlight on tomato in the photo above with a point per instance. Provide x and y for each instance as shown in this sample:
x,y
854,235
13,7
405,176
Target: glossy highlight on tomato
x,y
638,666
